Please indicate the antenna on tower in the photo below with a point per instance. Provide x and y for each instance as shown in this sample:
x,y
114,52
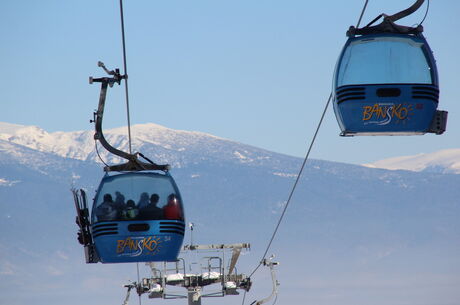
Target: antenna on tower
x,y
191,225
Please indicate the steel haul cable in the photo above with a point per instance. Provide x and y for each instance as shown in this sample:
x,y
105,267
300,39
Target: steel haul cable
x,y
293,189
362,13
426,13
125,66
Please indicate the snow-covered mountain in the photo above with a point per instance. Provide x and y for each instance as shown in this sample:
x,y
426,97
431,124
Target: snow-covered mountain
x,y
184,147
75,145
443,161
158,143
80,144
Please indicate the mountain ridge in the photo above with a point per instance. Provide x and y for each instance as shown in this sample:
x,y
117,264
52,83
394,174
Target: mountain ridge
x,y
166,145
444,161
159,143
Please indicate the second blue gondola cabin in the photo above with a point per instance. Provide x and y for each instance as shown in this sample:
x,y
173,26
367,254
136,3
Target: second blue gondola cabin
x,y
386,83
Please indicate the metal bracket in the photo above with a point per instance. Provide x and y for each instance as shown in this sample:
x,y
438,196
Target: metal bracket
x,y
388,24
271,264
133,163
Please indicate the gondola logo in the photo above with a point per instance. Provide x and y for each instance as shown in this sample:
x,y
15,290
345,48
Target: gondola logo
x,y
136,246
385,113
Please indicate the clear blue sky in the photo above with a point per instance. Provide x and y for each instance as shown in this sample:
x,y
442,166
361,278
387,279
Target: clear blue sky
x,y
257,72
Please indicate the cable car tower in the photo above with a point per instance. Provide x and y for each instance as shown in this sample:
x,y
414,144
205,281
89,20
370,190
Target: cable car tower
x,y
386,80
202,270
195,276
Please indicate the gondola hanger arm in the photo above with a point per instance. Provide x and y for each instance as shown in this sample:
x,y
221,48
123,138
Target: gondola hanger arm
x,y
271,264
99,114
133,163
406,12
388,24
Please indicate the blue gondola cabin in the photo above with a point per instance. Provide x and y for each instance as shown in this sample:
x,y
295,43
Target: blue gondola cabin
x,y
137,217
386,83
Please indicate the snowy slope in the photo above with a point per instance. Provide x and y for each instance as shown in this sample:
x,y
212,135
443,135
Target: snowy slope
x,y
444,161
75,145
80,144
161,144
179,148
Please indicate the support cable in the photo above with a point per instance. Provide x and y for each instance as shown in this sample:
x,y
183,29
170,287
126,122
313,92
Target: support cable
x,y
98,154
362,13
426,13
138,281
293,187
125,66
244,296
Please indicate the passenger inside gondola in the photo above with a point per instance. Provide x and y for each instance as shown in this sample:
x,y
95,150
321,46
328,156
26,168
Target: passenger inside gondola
x,y
151,211
173,210
131,211
129,197
119,199
143,201
108,210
